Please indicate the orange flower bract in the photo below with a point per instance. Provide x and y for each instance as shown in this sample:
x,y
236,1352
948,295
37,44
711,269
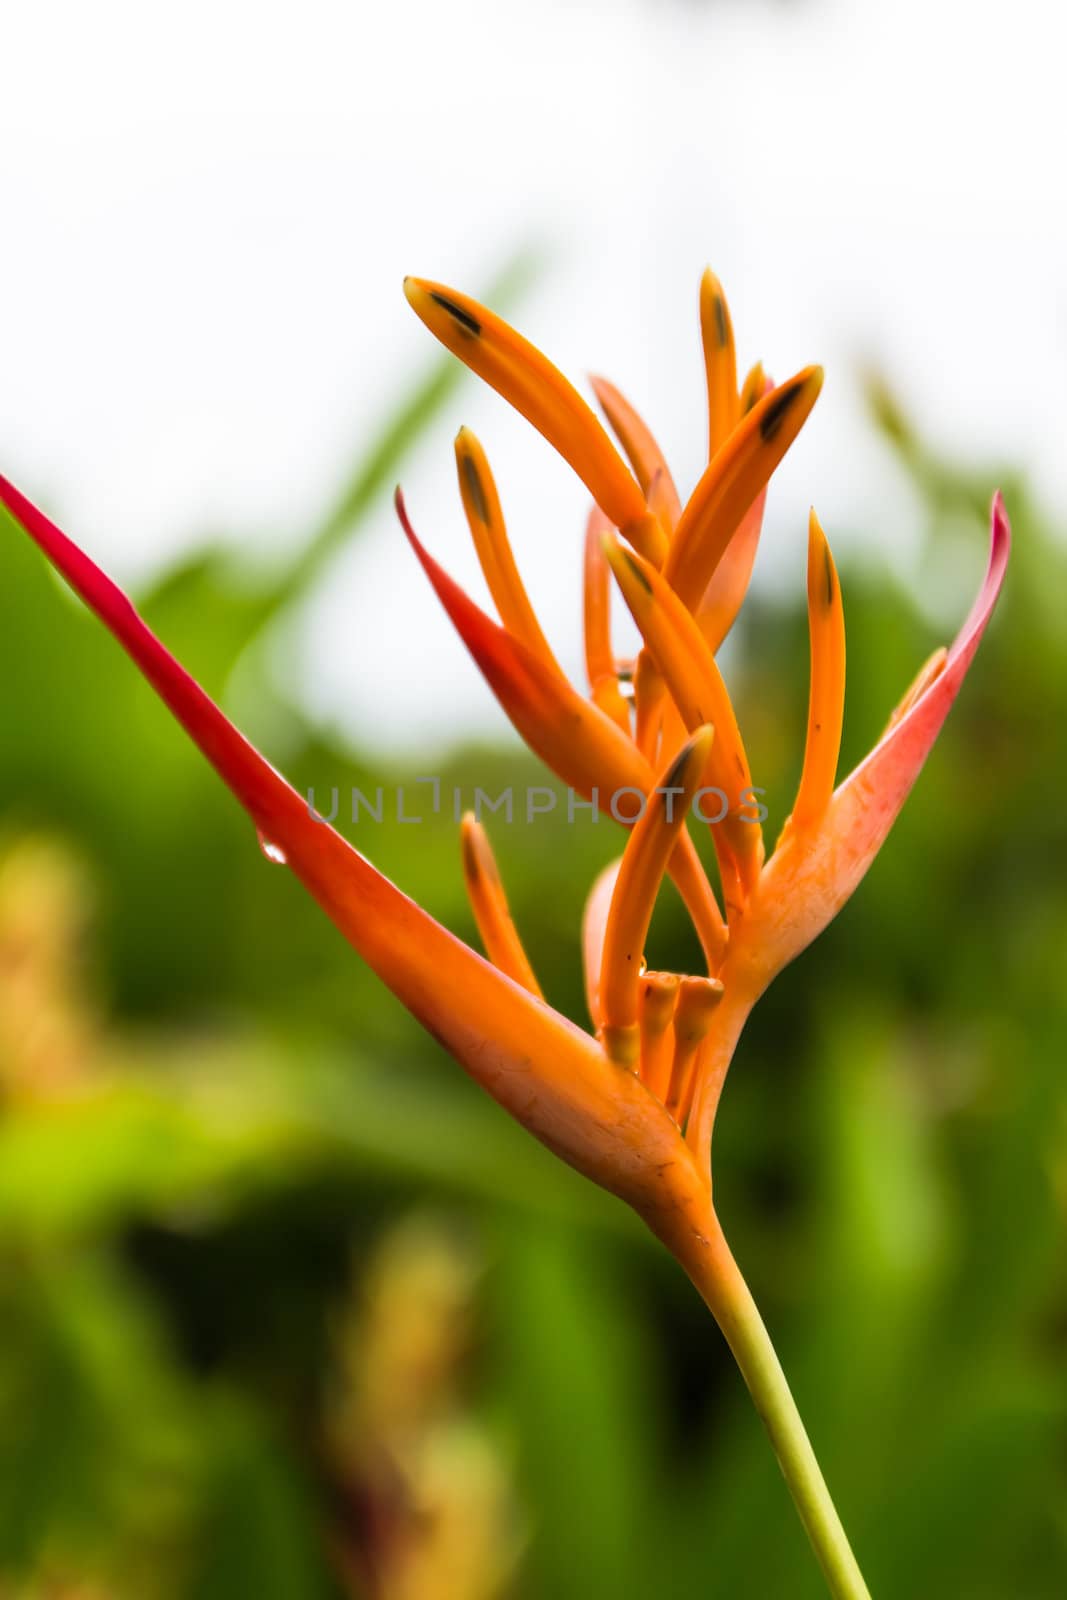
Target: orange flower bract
x,y
631,1103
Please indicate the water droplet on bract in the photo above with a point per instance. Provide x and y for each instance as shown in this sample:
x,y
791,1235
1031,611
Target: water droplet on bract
x,y
273,852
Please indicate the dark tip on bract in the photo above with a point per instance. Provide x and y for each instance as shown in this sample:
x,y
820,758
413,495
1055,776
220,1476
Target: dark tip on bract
x,y
470,854
475,489
673,779
720,322
468,323
828,566
635,568
772,419
478,860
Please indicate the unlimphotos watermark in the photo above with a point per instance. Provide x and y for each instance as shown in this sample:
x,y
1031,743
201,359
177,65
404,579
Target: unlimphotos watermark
x,y
426,796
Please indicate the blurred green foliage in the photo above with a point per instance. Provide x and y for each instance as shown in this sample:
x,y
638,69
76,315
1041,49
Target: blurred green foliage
x,y
214,1125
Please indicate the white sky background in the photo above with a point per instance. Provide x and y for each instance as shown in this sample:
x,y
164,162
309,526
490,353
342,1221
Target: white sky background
x,y
208,210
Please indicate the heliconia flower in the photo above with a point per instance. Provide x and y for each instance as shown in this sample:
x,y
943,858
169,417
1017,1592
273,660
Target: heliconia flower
x,y
631,1104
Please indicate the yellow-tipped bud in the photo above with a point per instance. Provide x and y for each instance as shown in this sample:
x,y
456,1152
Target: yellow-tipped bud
x,y
489,904
518,371
720,362
739,471
826,702
481,502
753,388
928,673
642,451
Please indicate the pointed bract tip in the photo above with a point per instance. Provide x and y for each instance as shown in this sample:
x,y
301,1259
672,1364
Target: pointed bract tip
x,y
405,521
755,386
808,381
697,746
710,284
628,568
467,442
429,300
801,390
691,759
999,551
613,551
713,308
817,540
1000,524
479,863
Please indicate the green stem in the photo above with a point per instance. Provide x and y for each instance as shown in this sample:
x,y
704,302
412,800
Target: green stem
x,y
717,1276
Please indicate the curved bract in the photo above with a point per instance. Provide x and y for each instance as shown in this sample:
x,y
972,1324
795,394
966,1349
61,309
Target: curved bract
x,y
817,867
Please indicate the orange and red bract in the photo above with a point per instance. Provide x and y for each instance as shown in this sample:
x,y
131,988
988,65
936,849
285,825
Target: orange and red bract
x,y
632,1103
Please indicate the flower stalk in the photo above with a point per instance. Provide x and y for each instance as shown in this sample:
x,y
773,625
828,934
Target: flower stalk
x,y
715,1274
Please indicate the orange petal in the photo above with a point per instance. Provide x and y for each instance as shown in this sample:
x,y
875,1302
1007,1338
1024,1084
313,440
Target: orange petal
x,y
650,700
826,701
489,904
600,664
574,738
599,655
659,992
695,683
581,745
517,370
643,453
725,594
663,504
534,1062
698,999
673,731
594,921
811,875
732,481
481,503
720,362
644,862
609,698
756,384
